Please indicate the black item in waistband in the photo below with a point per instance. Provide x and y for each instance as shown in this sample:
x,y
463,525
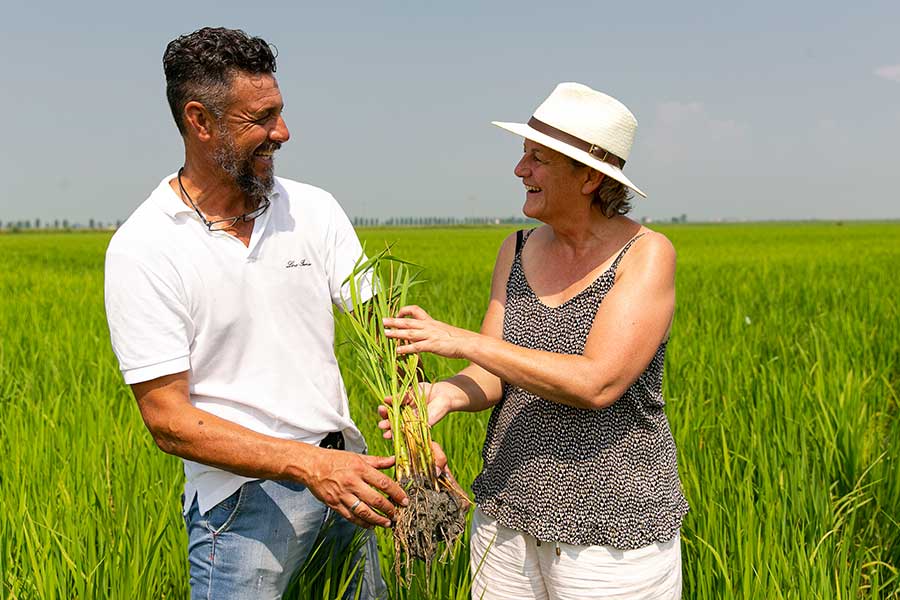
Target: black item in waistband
x,y
333,441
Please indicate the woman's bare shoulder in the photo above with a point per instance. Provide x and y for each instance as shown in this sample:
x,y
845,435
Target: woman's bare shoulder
x,y
505,255
652,252
508,248
653,243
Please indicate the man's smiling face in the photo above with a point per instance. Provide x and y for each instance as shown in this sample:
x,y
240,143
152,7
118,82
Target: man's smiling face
x,y
250,131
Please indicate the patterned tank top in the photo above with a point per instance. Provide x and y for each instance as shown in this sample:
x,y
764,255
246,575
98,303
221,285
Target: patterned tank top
x,y
586,477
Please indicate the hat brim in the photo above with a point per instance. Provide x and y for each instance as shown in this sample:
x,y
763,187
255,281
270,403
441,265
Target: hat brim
x,y
580,155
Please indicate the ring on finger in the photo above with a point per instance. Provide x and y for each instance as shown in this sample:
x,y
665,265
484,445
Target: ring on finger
x,y
354,505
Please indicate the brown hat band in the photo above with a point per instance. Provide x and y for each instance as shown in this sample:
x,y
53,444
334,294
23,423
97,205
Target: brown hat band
x,y
560,135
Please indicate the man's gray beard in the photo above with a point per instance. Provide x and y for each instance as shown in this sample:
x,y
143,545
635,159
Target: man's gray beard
x,y
240,169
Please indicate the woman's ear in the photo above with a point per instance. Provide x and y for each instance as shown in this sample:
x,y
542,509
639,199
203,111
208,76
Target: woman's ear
x,y
593,181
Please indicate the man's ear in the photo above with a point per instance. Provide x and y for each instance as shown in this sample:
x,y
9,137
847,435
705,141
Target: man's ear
x,y
199,121
593,181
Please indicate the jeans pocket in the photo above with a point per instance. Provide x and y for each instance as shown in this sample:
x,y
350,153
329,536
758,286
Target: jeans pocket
x,y
222,515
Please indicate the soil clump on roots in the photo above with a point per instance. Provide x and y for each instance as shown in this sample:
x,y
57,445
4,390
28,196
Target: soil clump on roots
x,y
433,516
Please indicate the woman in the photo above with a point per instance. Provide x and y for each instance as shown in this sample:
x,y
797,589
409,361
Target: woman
x,y
579,495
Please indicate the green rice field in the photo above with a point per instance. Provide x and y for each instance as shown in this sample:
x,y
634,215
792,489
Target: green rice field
x,y
782,384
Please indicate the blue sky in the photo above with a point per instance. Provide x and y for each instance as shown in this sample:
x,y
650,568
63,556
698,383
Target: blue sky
x,y
768,110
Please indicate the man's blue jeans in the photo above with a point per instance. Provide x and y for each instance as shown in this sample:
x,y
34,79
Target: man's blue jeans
x,y
254,541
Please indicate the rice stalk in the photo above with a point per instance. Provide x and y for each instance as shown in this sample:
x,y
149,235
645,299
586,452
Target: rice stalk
x,y
379,286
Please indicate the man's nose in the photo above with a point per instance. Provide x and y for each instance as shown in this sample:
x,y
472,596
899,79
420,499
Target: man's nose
x,y
280,132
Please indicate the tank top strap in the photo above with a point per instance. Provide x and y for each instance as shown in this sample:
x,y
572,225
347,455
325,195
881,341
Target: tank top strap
x,y
624,249
521,238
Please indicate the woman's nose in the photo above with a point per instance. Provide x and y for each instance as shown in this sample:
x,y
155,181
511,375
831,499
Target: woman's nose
x,y
521,170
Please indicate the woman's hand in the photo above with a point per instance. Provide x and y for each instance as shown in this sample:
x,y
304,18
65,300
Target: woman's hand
x,y
421,333
438,397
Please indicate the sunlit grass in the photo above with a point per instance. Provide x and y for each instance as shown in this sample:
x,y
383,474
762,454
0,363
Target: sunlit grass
x,y
781,379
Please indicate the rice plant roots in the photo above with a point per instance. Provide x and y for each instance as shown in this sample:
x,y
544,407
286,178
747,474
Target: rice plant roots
x,y
433,516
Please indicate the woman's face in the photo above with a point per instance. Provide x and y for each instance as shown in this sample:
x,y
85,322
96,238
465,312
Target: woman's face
x,y
552,183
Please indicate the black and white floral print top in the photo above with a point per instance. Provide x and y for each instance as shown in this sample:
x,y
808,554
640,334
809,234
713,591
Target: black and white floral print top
x,y
586,477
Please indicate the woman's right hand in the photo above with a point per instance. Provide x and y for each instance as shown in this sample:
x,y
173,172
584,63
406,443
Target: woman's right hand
x,y
438,397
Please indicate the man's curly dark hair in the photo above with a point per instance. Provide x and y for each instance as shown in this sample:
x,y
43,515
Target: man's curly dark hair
x,y
200,66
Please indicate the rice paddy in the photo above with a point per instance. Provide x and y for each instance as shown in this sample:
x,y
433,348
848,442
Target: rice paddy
x,y
782,384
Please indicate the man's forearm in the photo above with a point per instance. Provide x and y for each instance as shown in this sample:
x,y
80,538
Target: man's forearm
x,y
199,436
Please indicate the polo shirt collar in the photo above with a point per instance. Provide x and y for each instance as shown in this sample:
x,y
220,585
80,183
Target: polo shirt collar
x,y
170,203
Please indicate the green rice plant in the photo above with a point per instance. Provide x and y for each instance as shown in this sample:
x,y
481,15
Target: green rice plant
x,y
781,386
379,286
330,570
387,375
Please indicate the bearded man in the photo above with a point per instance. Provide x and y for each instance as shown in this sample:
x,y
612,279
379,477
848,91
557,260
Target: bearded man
x,y
219,294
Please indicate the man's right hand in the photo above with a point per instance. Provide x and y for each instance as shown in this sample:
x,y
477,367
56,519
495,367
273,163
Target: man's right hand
x,y
339,479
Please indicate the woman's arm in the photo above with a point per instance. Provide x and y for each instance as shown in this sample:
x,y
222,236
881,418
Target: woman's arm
x,y
632,321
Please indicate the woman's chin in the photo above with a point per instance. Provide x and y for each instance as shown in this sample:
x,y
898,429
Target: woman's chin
x,y
532,209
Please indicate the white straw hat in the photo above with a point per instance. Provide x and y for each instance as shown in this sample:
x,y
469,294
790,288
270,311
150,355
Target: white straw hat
x,y
583,124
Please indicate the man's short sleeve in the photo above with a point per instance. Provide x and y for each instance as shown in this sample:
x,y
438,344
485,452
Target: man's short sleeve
x,y
149,323
344,253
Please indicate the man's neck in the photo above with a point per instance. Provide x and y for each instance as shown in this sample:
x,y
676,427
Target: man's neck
x,y
213,192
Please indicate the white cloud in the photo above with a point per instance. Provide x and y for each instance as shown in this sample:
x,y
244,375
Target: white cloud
x,y
890,72
687,130
672,114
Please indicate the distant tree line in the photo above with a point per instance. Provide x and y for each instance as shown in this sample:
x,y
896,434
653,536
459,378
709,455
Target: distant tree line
x,y
66,225
682,218
56,225
435,221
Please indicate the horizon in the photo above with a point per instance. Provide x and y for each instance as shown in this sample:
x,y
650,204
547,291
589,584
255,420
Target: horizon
x,y
65,226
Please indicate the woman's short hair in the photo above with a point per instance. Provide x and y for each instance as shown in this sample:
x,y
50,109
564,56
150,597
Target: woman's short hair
x,y
611,197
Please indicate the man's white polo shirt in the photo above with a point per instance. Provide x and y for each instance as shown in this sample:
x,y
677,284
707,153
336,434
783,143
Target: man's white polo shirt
x,y
253,325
